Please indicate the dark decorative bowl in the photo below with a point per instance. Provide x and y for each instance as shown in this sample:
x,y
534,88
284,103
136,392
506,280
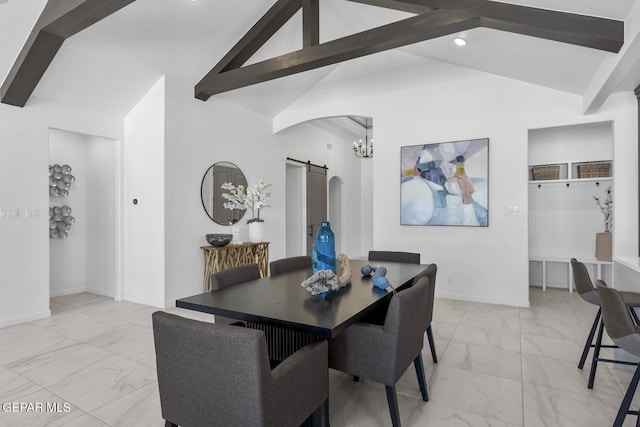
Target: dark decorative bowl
x,y
219,239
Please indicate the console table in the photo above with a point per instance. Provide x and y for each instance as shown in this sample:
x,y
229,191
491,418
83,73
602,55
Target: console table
x,y
223,257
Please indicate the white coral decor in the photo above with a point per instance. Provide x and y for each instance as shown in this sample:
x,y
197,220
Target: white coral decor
x,y
326,280
321,282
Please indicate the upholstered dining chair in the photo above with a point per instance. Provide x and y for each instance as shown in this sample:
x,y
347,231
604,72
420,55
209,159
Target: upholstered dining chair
x,y
430,273
382,353
625,334
220,375
391,256
589,293
289,264
229,277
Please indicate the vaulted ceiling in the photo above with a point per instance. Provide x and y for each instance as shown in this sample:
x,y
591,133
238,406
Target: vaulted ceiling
x,y
110,65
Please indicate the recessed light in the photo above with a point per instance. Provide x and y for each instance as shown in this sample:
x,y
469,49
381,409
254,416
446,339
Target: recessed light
x,y
460,41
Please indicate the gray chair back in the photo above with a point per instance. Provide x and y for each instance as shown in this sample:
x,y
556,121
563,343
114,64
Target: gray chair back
x,y
233,276
391,256
583,283
404,325
617,319
219,375
208,373
430,273
290,264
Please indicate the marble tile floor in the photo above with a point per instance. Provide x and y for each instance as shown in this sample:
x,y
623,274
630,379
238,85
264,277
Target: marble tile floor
x,y
92,362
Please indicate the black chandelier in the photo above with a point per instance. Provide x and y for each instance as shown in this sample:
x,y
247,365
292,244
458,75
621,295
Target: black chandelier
x,y
364,149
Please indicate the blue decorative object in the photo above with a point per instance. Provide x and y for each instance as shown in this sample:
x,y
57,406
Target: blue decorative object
x,y
324,249
380,282
380,271
366,270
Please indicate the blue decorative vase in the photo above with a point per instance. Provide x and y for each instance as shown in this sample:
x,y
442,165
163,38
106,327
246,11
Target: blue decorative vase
x,y
324,249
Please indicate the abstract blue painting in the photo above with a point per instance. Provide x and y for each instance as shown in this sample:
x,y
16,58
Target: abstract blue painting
x,y
445,183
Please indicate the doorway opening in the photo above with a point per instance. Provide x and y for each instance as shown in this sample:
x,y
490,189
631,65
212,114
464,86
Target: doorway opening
x,y
83,254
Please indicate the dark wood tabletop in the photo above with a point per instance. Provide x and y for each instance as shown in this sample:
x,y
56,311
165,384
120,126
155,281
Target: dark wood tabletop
x,y
281,301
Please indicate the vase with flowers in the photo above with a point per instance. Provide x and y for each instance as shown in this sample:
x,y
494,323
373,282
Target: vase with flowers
x,y
250,198
604,241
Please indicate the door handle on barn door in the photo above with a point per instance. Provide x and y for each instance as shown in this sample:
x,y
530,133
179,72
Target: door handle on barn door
x,y
311,230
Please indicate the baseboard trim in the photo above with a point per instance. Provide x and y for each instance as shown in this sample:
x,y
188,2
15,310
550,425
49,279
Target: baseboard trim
x,y
102,292
486,300
27,318
144,301
66,292
79,291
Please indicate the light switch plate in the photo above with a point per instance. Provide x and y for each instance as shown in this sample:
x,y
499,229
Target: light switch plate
x,y
511,210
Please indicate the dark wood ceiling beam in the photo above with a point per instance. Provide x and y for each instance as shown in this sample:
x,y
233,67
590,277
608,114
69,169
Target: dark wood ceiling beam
x,y
58,21
310,23
411,30
581,30
411,6
258,35
435,18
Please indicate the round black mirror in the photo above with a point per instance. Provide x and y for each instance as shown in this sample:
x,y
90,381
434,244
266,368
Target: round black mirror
x,y
211,192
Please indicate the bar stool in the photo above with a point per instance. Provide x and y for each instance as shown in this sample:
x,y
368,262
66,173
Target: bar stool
x,y
622,330
588,292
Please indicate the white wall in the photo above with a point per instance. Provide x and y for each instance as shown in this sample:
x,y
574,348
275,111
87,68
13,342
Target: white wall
x,y
24,242
589,142
482,264
144,129
199,134
101,208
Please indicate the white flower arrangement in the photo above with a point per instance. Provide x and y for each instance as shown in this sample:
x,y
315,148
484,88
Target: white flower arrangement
x,y
607,209
253,198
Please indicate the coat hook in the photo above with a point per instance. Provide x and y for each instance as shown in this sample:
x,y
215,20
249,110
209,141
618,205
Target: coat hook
x,y
567,185
597,184
539,186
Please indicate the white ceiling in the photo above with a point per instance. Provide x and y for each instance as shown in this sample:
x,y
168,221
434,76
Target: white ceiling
x,y
109,66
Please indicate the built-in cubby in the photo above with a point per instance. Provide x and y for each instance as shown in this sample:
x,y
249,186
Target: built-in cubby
x,y
572,170
568,167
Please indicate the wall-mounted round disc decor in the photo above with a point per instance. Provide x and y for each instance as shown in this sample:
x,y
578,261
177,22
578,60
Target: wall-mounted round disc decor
x,y
60,219
60,179
60,222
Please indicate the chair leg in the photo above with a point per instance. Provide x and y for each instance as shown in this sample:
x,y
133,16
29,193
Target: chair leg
x,y
589,342
417,362
356,378
596,356
392,398
168,423
634,315
432,345
319,417
326,413
628,397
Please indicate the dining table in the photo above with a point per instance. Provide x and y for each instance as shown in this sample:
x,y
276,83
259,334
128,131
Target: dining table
x,y
282,302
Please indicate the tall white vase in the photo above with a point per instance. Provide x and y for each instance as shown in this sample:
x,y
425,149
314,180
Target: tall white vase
x,y
256,232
